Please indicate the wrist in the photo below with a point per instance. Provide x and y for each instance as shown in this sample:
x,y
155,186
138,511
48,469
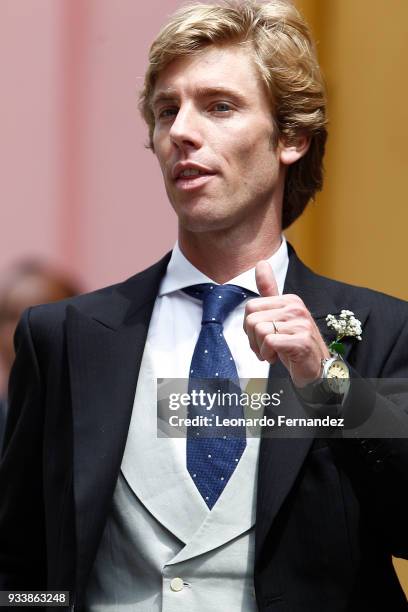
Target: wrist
x,y
332,384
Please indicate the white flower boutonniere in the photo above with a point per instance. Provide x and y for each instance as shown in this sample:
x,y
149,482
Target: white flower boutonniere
x,y
345,326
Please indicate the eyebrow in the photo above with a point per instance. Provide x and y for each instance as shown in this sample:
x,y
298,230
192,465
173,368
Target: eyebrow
x,y
170,95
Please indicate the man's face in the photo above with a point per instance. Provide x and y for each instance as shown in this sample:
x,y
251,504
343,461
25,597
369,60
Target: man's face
x,y
213,139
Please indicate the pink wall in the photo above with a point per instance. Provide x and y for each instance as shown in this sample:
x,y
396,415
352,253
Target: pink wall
x,y
78,187
29,124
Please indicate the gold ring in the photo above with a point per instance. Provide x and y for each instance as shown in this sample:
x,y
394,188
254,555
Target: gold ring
x,y
276,330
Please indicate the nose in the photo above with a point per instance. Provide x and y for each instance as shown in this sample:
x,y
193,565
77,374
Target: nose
x,y
185,132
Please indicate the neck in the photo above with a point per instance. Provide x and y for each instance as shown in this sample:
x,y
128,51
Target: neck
x,y
223,255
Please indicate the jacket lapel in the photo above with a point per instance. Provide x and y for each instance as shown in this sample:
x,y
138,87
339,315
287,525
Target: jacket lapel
x,y
105,350
280,458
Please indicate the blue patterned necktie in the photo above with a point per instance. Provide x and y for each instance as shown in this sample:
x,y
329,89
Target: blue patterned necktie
x,y
212,458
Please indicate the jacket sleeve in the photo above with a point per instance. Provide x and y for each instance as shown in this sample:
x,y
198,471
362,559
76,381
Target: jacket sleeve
x,y
22,539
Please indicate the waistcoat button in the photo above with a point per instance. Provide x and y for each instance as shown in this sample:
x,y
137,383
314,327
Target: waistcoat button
x,y
177,584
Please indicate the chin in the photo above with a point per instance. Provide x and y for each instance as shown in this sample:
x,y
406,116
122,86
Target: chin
x,y
200,225
198,218
204,215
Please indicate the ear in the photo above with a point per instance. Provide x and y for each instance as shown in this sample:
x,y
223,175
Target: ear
x,y
289,154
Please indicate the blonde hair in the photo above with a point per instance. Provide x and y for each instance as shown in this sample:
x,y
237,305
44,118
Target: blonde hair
x,y
286,59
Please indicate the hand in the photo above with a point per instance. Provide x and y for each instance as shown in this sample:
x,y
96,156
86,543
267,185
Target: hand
x,y
281,327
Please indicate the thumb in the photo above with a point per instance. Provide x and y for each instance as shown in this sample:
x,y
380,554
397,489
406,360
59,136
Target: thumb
x,y
265,279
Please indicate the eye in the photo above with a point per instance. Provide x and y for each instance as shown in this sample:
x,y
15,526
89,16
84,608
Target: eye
x,y
167,113
222,107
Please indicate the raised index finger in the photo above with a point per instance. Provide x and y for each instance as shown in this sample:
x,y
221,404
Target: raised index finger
x,y
265,279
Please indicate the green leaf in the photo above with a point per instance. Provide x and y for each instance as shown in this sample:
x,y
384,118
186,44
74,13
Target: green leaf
x,y
337,347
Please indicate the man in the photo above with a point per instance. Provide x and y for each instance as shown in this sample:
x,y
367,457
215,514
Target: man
x,y
26,283
99,505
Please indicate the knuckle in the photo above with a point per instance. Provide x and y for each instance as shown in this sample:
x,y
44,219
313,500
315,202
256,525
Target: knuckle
x,y
297,303
305,342
269,341
294,298
307,327
251,320
250,307
299,310
261,328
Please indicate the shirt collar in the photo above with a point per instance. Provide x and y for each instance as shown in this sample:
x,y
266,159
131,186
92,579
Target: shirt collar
x,y
181,273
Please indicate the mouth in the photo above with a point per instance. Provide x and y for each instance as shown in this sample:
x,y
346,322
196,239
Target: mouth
x,y
191,176
192,181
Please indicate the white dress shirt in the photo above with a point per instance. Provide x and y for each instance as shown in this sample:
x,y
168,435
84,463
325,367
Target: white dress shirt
x,y
176,319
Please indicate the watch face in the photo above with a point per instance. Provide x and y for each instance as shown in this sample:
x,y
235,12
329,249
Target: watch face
x,y
338,369
338,377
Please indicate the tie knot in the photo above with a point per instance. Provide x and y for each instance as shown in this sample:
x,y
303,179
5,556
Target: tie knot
x,y
218,300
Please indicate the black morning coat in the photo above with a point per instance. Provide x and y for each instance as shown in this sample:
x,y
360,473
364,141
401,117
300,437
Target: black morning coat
x,y
330,512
